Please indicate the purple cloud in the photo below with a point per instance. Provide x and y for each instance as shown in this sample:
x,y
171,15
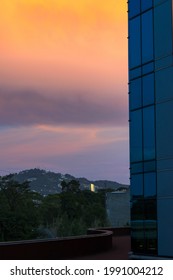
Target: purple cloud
x,y
31,108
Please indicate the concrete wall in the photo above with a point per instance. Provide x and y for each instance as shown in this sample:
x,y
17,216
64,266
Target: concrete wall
x,y
57,249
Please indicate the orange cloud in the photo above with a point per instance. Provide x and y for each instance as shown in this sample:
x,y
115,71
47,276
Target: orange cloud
x,y
56,44
49,42
45,28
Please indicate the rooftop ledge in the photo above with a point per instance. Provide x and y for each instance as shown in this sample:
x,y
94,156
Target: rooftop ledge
x,y
97,244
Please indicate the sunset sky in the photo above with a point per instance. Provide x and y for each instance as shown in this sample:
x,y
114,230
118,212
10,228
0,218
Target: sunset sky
x,y
63,87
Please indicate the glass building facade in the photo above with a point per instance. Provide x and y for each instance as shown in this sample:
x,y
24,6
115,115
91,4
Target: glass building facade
x,y
151,125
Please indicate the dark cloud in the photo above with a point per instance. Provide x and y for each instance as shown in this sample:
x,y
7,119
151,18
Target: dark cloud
x,y
31,108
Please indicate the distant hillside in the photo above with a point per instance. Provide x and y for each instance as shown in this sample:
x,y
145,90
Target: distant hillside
x,y
47,182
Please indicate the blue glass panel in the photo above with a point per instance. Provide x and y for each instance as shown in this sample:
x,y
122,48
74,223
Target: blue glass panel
x,y
136,167
137,237
163,29
150,185
164,186
136,185
134,42
147,68
146,4
150,225
163,62
150,237
164,79
164,129
149,166
134,7
147,36
149,133
165,226
165,164
148,89
156,2
135,73
137,212
136,136
135,94
137,225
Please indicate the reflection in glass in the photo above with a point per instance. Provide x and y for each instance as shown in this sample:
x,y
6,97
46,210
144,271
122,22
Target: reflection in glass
x,y
150,227
137,225
144,226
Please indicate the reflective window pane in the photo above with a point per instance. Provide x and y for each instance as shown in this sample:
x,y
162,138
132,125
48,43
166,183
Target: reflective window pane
x,y
135,94
148,89
164,183
136,167
135,73
137,236
137,226
134,7
147,36
134,42
150,185
164,130
137,210
149,133
136,185
164,80
156,2
163,62
163,29
136,136
147,68
146,4
150,227
150,206
149,166
165,226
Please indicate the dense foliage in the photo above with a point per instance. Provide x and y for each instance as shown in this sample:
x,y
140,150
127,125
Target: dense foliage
x,y
29,215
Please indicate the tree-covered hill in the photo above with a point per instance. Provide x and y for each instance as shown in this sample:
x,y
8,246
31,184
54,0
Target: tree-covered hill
x,y
47,182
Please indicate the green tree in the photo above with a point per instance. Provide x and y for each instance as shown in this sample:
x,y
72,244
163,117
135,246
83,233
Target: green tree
x,y
50,209
18,211
72,186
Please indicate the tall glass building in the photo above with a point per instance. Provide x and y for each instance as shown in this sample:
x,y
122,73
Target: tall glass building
x,y
151,126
